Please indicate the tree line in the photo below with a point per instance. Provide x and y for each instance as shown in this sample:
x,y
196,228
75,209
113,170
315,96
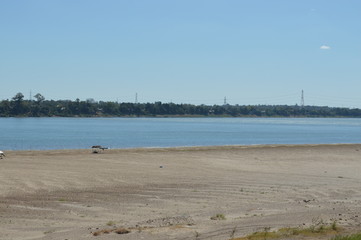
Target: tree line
x,y
40,107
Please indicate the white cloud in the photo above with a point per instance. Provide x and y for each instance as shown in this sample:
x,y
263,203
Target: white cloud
x,y
325,47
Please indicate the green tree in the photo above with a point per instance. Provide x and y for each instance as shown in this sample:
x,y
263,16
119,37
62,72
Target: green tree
x,y
18,105
39,98
5,108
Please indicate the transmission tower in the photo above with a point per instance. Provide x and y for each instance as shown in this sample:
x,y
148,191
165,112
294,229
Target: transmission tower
x,y
225,101
136,97
302,99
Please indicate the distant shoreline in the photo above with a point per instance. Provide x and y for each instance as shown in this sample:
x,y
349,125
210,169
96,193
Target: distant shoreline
x,y
19,107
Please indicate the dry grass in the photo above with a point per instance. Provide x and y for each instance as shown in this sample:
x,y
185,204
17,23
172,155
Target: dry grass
x,y
312,231
107,231
111,223
103,231
356,236
121,231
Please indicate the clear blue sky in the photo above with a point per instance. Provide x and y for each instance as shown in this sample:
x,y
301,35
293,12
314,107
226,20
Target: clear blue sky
x,y
183,51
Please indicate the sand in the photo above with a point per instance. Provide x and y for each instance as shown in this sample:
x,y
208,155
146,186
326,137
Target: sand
x,y
173,193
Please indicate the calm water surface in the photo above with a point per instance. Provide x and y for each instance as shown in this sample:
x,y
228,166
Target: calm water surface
x,y
75,133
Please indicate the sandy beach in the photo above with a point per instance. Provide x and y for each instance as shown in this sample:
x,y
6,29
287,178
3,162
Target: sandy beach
x,y
172,193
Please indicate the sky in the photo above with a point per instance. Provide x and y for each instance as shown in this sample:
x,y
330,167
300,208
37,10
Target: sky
x,y
183,51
